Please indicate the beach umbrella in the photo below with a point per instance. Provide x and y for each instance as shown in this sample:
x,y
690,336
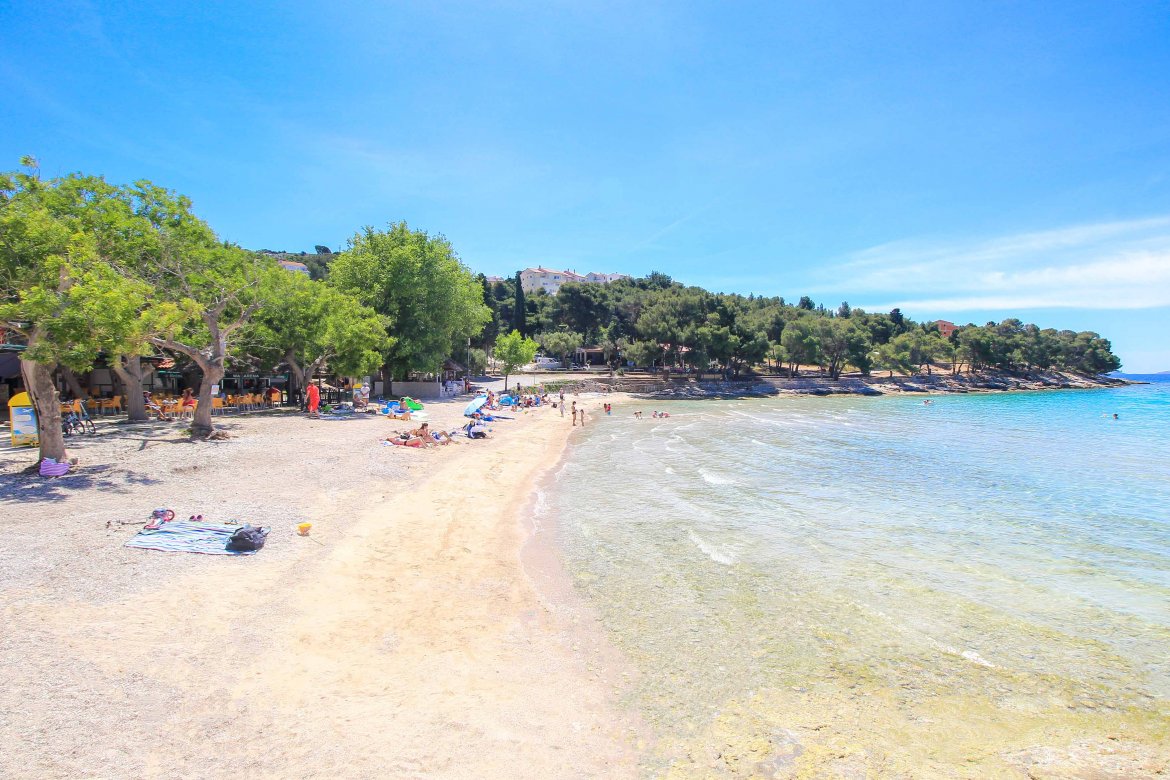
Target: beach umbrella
x,y
474,406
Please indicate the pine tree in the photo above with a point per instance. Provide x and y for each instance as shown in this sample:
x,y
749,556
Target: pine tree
x,y
520,310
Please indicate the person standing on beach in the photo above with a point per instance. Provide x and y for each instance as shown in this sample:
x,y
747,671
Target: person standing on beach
x,y
574,414
314,399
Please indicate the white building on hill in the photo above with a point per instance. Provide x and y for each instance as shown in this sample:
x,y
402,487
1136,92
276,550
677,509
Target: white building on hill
x,y
550,280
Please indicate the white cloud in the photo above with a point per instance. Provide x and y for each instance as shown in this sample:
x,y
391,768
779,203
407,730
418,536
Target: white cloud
x,y
1112,265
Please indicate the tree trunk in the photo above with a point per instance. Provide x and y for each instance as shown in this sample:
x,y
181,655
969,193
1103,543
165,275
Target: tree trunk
x,y
38,380
298,373
129,370
201,425
73,382
298,385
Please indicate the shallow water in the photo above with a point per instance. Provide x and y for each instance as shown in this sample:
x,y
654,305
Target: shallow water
x,y
880,586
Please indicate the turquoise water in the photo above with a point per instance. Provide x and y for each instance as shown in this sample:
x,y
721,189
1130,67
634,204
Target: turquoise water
x,y
912,587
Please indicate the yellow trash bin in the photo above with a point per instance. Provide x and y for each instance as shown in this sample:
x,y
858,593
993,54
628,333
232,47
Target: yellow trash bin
x,y
22,418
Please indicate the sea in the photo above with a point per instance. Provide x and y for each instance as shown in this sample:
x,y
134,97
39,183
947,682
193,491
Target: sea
x,y
896,586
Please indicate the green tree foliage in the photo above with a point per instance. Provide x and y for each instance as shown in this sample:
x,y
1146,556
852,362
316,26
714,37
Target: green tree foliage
x,y
417,283
477,361
318,264
56,290
514,350
492,328
841,341
643,353
583,308
311,324
519,307
561,343
211,291
800,344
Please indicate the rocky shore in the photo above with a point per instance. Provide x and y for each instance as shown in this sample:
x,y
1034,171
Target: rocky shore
x,y
651,387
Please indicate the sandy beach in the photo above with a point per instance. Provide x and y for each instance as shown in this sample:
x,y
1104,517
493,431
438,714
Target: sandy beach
x,y
407,636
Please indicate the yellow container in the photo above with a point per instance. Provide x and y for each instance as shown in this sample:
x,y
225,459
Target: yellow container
x,y
303,528
22,418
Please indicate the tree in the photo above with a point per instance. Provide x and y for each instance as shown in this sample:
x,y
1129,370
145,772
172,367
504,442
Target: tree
x,y
323,250
776,354
642,353
841,342
560,343
201,291
476,361
56,291
492,329
213,292
582,308
800,344
514,350
898,320
428,299
519,309
310,324
133,226
892,356
611,343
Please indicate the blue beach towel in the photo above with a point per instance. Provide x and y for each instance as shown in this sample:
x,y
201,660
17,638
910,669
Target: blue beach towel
x,y
180,536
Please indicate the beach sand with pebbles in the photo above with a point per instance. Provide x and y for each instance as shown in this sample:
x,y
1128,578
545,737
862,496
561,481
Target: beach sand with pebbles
x,y
421,630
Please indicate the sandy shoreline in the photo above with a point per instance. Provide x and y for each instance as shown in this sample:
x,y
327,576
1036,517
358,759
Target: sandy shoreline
x,y
404,638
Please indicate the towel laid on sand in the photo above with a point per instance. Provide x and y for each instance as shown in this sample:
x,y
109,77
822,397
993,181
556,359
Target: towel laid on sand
x,y
186,536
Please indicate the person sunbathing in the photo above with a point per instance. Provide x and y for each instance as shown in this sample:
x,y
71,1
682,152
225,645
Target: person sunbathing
x,y
423,434
401,413
476,428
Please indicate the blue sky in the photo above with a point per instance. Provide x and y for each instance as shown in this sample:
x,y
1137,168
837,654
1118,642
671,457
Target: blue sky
x,y
963,160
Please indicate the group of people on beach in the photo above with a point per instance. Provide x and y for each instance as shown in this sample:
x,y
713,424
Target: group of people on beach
x,y
657,415
574,412
186,406
422,436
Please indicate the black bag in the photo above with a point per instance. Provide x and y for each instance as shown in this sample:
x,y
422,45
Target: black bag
x,y
247,538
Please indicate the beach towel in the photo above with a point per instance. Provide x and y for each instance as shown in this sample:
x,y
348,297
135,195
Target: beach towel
x,y
187,536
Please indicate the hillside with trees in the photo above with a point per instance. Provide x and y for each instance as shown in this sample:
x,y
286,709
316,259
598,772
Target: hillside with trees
x,y
655,322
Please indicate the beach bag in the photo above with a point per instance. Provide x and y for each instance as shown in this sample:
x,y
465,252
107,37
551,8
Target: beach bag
x,y
247,538
51,468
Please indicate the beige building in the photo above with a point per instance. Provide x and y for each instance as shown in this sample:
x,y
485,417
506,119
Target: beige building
x,y
550,280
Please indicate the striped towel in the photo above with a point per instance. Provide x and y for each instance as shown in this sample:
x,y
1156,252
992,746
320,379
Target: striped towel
x,y
186,536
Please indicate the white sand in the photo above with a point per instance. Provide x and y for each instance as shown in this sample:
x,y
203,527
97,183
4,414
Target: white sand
x,y
403,638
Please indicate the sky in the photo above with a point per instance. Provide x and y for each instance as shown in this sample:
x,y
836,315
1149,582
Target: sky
x,y
964,161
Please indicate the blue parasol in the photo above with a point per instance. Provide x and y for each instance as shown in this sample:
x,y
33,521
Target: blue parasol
x,y
474,406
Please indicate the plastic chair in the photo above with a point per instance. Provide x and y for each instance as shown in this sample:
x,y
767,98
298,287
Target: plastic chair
x,y
114,404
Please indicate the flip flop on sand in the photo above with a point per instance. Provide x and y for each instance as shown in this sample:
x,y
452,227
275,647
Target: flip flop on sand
x,y
158,517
